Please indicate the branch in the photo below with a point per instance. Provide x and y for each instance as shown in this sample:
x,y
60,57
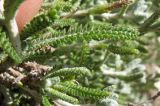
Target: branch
x,y
12,28
155,96
10,10
98,9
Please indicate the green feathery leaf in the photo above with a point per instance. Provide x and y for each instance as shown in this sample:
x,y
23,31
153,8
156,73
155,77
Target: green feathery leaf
x,y
40,22
128,76
51,31
81,56
70,72
131,77
122,50
63,23
42,53
45,101
3,57
62,96
62,5
7,47
142,49
80,91
87,33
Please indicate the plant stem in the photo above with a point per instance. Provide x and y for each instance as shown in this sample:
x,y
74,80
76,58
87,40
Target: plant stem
x,y
98,9
14,34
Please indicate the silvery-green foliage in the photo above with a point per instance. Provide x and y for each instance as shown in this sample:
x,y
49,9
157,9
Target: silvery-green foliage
x,y
108,102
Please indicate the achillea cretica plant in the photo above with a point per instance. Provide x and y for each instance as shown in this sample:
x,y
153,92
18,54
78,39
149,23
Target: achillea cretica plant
x,y
39,65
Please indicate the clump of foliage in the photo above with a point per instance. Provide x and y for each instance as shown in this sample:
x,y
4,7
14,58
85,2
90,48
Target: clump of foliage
x,y
66,54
